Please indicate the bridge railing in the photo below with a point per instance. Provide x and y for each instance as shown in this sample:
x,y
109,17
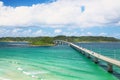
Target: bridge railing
x,y
96,56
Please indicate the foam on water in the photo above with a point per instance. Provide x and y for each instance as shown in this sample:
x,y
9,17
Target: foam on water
x,y
27,73
20,69
39,72
1,78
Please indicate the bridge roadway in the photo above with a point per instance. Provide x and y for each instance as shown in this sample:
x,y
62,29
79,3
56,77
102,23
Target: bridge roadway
x,y
96,56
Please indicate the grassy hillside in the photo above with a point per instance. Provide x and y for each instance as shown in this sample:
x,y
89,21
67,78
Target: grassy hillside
x,y
49,40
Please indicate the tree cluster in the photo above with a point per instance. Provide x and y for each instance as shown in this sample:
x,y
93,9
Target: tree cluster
x,y
45,40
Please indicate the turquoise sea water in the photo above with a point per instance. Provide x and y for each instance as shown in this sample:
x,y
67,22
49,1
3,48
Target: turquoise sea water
x,y
110,49
20,62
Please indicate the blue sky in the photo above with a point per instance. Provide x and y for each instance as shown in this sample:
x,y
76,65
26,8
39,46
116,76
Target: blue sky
x,y
16,3
21,18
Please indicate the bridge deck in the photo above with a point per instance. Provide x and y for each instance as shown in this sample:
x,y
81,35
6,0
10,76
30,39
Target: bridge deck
x,y
94,54
97,55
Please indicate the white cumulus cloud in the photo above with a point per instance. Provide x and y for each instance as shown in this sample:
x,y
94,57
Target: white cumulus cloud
x,y
102,34
64,13
58,31
38,33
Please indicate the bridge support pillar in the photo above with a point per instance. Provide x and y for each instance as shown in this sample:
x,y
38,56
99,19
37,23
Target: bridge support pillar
x,y
96,60
56,43
88,55
110,68
83,52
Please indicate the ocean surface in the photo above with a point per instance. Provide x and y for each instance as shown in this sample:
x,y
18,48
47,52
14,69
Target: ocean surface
x,y
19,61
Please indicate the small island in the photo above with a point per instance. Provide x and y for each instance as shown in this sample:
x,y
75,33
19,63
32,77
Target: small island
x,y
48,41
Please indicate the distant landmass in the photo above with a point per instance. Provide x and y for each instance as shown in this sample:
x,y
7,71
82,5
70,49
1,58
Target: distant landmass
x,y
46,40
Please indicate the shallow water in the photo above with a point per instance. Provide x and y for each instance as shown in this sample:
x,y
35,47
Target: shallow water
x,y
48,63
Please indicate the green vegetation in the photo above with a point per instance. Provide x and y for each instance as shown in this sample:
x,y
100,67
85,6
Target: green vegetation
x,y
49,40
42,41
87,38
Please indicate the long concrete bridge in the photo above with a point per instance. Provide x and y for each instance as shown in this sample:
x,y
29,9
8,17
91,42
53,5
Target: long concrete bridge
x,y
96,56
